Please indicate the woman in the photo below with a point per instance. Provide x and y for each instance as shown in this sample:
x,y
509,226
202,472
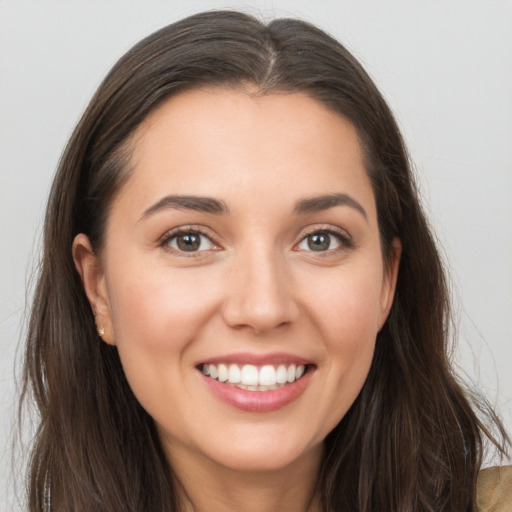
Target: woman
x,y
241,306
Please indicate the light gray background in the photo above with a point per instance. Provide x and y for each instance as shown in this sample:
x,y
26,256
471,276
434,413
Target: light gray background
x,y
444,66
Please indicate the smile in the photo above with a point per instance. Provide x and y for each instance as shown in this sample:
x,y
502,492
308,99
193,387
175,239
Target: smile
x,y
257,384
254,378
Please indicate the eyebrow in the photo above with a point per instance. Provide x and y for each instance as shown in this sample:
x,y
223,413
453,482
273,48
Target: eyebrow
x,y
326,201
197,203
219,207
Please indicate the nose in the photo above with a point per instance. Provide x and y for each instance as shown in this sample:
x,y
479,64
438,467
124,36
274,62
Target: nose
x,y
260,296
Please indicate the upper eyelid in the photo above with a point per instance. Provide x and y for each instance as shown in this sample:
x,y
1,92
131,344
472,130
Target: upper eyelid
x,y
173,232
345,238
336,230
169,236
204,231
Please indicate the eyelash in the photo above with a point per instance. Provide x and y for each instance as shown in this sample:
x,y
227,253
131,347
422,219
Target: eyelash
x,y
166,239
345,240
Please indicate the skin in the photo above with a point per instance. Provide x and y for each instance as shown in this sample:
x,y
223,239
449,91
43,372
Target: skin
x,y
257,287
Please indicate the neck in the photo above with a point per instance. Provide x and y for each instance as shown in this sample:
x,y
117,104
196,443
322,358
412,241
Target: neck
x,y
209,487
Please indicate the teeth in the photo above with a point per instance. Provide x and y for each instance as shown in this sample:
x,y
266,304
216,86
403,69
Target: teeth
x,y
254,378
234,376
258,388
223,373
282,374
291,373
213,371
267,376
249,375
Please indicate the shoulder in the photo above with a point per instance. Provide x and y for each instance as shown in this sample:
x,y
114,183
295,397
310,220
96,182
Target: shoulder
x,y
494,489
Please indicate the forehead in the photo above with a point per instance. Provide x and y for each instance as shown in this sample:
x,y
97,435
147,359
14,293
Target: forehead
x,y
231,142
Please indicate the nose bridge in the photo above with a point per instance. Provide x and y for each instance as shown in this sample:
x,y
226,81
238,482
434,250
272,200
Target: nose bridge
x,y
261,292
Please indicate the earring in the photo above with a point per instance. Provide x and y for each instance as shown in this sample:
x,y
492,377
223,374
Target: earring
x,y
101,331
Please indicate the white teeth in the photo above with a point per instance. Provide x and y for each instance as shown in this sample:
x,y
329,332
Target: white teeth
x,y
253,378
249,375
213,371
233,374
267,376
282,374
291,373
223,373
258,388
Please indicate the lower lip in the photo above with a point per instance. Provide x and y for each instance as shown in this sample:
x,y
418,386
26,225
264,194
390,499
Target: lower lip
x,y
258,401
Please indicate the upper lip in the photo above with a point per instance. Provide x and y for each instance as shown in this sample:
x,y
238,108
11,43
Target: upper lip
x,y
274,358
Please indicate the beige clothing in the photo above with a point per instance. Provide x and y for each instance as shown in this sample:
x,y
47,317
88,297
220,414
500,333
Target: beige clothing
x,y
494,490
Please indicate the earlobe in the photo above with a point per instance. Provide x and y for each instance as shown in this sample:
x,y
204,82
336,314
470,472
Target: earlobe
x,y
390,279
91,273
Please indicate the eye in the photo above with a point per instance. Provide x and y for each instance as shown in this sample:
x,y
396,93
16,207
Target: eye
x,y
323,240
188,241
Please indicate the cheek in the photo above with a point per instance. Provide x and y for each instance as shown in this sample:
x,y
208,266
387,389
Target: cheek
x,y
159,308
156,316
346,313
346,306
349,331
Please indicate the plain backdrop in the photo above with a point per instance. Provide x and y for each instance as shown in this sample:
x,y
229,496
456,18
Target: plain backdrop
x,y
444,66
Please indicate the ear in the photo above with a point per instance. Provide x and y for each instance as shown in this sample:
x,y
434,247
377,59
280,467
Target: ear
x,y
89,267
389,281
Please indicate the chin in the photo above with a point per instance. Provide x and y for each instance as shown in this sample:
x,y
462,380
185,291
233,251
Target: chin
x,y
261,454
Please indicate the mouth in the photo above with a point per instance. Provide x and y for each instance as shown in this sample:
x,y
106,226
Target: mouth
x,y
257,384
252,377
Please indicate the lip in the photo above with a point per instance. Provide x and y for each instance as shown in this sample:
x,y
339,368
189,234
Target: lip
x,y
241,358
258,401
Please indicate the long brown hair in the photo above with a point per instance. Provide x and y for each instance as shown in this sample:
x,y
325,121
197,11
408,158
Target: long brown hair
x,y
411,441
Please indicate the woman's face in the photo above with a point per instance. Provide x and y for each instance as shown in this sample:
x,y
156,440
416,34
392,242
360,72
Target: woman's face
x,y
244,246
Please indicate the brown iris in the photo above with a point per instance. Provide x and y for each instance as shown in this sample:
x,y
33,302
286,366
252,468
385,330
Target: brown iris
x,y
188,242
319,241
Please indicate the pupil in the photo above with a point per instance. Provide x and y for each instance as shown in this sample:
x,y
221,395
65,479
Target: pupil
x,y
319,242
189,242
